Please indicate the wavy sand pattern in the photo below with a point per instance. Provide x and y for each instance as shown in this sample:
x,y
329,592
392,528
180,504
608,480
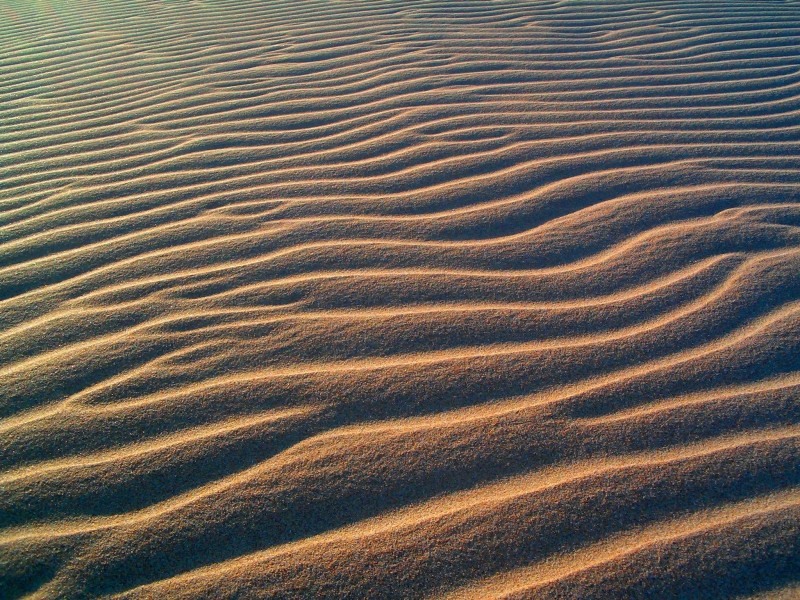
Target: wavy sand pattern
x,y
400,299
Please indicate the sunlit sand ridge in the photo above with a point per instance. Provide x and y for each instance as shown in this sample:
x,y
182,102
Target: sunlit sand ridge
x,y
400,299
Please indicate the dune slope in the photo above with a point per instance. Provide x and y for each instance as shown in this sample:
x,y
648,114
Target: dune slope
x,y
400,299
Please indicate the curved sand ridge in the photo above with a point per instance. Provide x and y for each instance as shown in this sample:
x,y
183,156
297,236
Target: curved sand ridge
x,y
400,299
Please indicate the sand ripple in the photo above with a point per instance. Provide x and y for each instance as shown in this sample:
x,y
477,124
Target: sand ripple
x,y
400,299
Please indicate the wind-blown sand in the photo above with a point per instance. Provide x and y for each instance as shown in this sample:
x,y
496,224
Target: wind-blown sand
x,y
400,299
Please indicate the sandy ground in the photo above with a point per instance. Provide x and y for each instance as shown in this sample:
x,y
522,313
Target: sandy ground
x,y
400,299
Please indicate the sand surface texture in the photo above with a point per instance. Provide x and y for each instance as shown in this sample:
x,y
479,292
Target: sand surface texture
x,y
400,299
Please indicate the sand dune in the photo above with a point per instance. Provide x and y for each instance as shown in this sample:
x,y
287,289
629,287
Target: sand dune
x,y
400,299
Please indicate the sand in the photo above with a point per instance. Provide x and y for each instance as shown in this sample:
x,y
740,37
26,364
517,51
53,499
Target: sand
x,y
400,299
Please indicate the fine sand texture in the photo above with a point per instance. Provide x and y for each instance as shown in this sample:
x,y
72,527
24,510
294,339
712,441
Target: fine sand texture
x,y
400,299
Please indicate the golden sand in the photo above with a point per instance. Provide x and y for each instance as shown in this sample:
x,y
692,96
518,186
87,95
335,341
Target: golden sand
x,y
400,299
